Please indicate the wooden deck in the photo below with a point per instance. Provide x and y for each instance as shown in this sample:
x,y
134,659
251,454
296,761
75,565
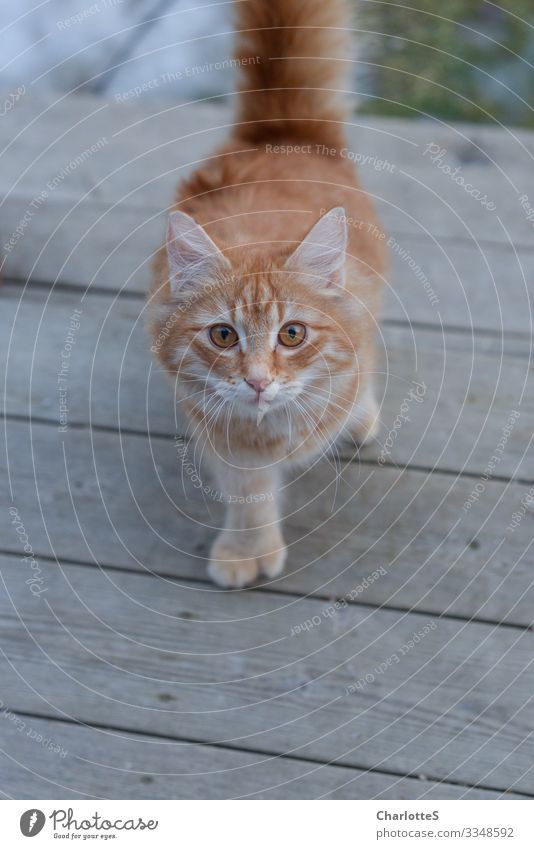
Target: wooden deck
x,y
123,672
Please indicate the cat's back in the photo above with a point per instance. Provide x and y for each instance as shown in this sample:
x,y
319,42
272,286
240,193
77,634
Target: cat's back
x,y
273,194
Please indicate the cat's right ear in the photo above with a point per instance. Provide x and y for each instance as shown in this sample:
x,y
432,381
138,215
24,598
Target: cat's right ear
x,y
192,256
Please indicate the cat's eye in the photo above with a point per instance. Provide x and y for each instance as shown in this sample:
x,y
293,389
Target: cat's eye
x,y
223,335
292,334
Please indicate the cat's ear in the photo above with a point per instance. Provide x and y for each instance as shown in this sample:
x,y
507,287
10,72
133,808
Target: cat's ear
x,y
321,254
192,255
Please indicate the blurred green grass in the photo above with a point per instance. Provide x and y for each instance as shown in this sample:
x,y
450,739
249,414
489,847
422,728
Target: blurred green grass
x,y
463,60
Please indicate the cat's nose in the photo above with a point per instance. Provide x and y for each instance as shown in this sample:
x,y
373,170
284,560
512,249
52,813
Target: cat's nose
x,y
259,383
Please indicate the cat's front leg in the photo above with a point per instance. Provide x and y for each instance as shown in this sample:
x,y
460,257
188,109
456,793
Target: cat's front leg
x,y
251,543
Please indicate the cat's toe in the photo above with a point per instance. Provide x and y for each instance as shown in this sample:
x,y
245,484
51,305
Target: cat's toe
x,y
233,574
272,565
229,566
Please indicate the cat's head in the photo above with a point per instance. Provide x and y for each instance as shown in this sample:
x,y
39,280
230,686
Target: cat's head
x,y
259,334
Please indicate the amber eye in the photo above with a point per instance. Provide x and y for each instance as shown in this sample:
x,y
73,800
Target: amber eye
x,y
292,334
223,335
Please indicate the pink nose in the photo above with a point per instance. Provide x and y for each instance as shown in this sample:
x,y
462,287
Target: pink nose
x,y
258,383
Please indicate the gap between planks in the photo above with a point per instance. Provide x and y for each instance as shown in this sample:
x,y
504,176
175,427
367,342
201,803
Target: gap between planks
x,y
13,283
154,735
357,460
266,588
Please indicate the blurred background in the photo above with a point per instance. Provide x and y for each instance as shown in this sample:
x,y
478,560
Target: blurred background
x,y
466,60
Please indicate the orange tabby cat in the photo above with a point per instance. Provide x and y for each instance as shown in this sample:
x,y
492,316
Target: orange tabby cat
x,y
267,288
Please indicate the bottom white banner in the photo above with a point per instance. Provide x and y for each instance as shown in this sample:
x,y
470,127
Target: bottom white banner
x,y
259,823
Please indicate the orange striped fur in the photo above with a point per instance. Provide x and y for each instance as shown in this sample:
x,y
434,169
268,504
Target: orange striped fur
x,y
241,252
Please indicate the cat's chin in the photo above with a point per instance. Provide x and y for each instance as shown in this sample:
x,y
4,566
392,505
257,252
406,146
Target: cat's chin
x,y
264,413
256,410
253,405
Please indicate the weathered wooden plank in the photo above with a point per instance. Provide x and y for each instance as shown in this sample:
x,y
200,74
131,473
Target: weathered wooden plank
x,y
397,692
100,763
88,244
382,147
106,376
459,284
142,150
120,501
432,280
128,502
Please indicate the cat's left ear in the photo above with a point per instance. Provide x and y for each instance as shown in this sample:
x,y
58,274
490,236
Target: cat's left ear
x,y
321,254
193,257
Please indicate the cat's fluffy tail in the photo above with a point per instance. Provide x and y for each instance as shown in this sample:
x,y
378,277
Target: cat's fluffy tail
x,y
293,69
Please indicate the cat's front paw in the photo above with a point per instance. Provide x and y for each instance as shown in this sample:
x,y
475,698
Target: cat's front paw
x,y
230,567
233,573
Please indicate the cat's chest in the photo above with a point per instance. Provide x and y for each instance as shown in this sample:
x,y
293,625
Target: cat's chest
x,y
279,440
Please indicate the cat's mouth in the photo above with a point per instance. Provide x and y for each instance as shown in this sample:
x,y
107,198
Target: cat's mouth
x,y
259,401
263,398
259,406
262,406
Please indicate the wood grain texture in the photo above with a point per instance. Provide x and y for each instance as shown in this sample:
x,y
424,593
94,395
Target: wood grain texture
x,y
114,646
468,391
102,221
126,501
102,763
150,656
146,131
